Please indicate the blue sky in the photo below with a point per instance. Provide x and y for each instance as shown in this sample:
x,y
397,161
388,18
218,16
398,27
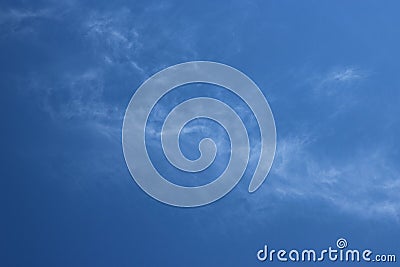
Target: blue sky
x,y
329,71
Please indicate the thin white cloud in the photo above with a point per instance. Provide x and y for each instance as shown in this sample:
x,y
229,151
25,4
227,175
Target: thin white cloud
x,y
19,15
338,80
115,37
363,183
77,96
346,75
339,87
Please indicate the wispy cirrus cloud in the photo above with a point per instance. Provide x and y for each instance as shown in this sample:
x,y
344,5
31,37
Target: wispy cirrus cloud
x,y
114,36
364,183
338,79
310,163
346,74
338,88
78,97
28,20
74,96
118,38
15,16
